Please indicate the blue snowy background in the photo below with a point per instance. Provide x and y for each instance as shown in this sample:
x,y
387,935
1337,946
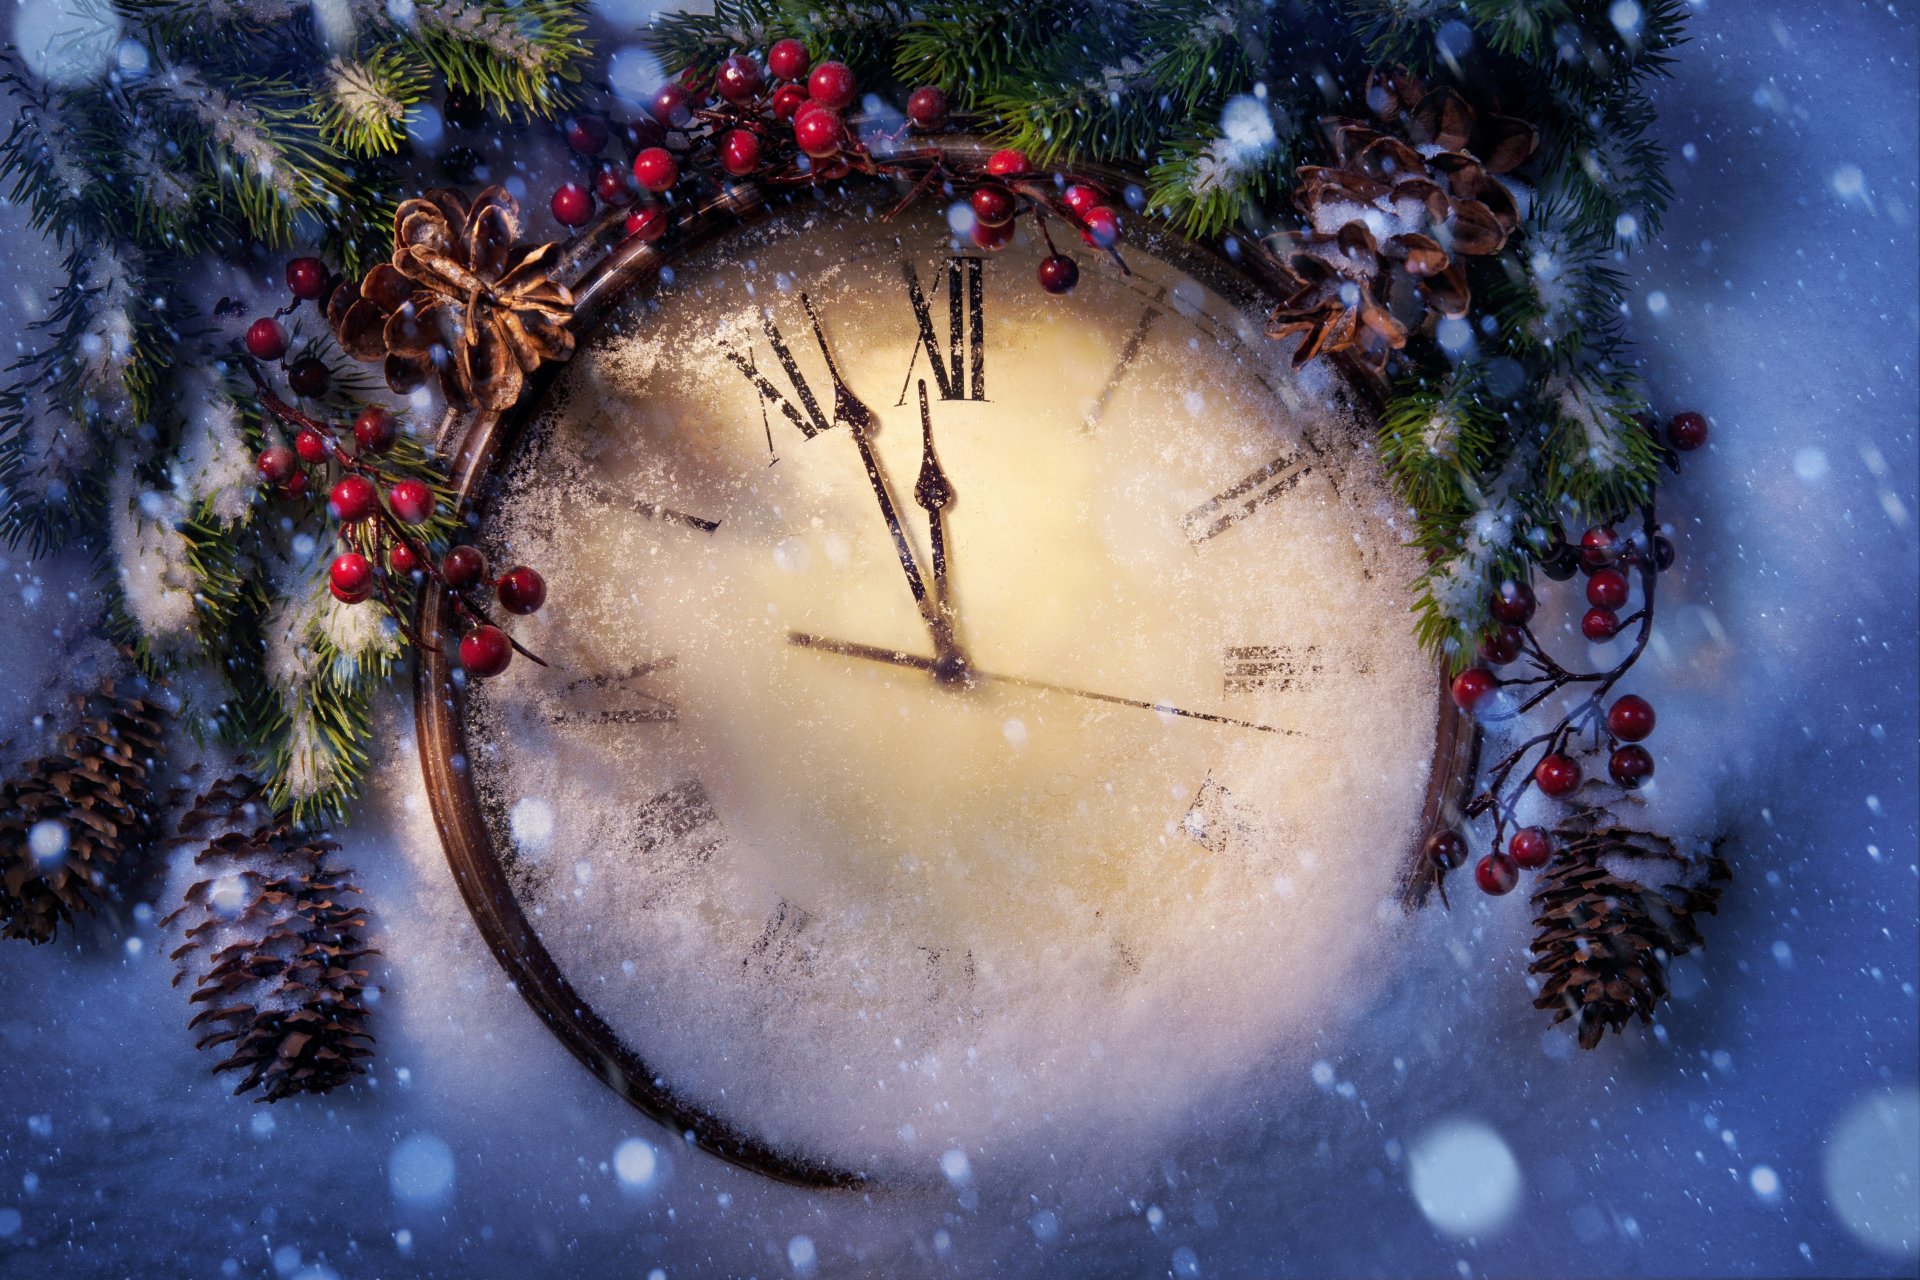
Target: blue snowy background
x,y
1771,1127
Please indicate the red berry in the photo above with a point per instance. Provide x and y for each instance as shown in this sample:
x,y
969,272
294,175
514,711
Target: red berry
x,y
927,108
1446,849
351,578
353,499
649,222
819,133
1501,646
1607,589
1083,199
1688,431
831,85
1630,718
642,132
402,558
610,185
463,567
788,59
587,134
1557,775
1471,685
1103,228
522,590
1058,273
990,237
1630,766
266,340
787,101
1530,847
738,78
655,169
572,205
1600,625
310,445
307,278
1599,547
1496,874
485,651
411,500
1512,602
309,377
1005,164
672,105
740,152
296,485
277,464
993,204
374,431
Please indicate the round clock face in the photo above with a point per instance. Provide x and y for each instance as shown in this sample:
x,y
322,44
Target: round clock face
x,y
968,709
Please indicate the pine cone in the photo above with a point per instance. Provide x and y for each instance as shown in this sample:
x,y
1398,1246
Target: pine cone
x,y
95,792
1604,942
280,950
459,298
1391,219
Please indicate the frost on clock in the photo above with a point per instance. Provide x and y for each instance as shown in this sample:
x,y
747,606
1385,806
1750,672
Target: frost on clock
x,y
837,902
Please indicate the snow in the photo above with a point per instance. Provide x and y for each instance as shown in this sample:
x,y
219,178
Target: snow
x,y
1784,670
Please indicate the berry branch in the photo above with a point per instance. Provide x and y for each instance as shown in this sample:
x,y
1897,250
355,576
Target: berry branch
x,y
1546,760
387,533
783,122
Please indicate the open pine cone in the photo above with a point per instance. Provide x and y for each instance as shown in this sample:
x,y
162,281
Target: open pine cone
x,y
96,792
460,298
1604,942
281,982
1389,222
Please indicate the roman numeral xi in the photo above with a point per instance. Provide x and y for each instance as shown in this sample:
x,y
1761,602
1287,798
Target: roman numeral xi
x,y
966,331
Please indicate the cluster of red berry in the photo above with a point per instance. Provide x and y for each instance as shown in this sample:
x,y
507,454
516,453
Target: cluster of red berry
x,y
1606,558
266,339
783,120
388,527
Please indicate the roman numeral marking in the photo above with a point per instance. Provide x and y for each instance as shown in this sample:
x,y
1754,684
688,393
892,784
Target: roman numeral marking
x,y
648,709
807,416
679,825
1252,667
948,973
1224,510
651,510
1128,350
781,943
966,336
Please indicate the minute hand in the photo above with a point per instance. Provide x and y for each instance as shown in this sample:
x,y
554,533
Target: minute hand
x,y
914,662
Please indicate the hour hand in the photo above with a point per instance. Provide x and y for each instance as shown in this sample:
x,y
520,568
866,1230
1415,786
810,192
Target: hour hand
x,y
933,492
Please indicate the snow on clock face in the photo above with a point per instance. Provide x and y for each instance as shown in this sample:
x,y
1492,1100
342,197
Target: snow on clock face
x,y
971,713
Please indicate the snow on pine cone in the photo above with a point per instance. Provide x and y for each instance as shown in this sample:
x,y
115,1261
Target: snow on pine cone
x,y
1604,941
1389,222
273,951
76,817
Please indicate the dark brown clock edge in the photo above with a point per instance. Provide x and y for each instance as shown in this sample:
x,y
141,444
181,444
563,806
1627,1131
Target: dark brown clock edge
x,y
475,440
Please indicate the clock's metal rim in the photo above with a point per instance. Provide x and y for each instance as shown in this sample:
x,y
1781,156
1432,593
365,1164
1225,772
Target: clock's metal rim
x,y
472,441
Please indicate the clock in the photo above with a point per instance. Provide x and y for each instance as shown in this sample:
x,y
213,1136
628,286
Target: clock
x,y
964,708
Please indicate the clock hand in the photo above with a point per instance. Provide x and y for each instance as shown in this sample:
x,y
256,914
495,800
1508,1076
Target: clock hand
x,y
914,662
933,493
859,419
